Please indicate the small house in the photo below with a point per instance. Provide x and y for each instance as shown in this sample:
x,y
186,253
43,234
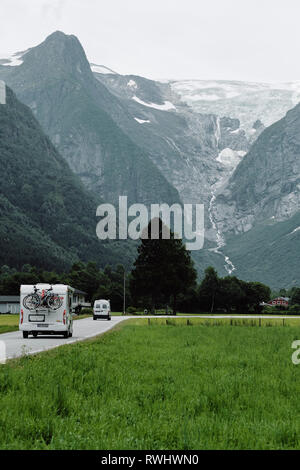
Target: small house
x,y
10,304
80,298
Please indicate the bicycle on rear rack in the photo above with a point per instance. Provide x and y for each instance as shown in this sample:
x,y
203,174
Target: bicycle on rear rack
x,y
44,298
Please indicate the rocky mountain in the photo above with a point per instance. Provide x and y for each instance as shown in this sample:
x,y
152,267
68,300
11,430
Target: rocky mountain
x,y
55,80
186,145
266,184
47,218
257,212
197,152
225,144
122,134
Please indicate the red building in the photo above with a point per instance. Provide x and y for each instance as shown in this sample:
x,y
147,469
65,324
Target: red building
x,y
282,301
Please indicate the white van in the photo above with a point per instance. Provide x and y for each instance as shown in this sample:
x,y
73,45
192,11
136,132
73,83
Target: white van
x,y
101,309
46,310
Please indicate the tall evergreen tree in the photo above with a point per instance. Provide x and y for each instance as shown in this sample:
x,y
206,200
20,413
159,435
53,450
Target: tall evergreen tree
x,y
163,269
209,288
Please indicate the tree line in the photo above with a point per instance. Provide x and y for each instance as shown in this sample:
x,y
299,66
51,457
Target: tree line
x,y
163,277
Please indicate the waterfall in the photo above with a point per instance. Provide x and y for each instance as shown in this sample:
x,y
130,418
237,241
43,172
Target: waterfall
x,y
220,240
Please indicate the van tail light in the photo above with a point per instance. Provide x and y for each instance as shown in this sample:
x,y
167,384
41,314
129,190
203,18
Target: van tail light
x,y
22,316
64,317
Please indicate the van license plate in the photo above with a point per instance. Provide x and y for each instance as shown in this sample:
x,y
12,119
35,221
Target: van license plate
x,y
36,318
43,325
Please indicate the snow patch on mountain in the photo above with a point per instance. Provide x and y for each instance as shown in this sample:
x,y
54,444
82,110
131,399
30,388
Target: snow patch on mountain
x,y
167,106
12,60
204,97
142,121
132,84
246,101
230,158
194,90
294,231
102,69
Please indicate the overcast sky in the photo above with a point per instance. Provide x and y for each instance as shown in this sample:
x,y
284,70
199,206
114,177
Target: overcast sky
x,y
256,40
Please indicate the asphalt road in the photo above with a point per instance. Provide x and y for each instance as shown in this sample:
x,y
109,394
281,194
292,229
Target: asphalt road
x,y
16,346
13,345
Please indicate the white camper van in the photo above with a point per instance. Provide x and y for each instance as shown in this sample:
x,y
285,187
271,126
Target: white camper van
x,y
46,310
101,309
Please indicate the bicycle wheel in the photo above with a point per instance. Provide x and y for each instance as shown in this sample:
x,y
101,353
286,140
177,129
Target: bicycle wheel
x,y
31,301
54,302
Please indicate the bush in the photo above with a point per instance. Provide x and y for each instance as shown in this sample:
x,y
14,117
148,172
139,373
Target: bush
x,y
86,311
280,308
131,310
268,310
294,310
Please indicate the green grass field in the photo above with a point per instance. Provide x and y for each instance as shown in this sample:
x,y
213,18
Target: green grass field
x,y
9,323
157,387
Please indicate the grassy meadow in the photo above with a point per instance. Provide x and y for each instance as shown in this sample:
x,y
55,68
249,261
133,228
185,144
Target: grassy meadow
x,y
9,323
157,386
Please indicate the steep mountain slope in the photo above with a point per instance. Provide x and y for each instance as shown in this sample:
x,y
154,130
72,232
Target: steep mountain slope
x,y
186,145
258,210
47,218
268,253
56,81
266,184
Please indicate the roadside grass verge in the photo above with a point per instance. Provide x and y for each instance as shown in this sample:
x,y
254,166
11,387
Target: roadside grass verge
x,y
7,328
9,323
156,387
255,322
